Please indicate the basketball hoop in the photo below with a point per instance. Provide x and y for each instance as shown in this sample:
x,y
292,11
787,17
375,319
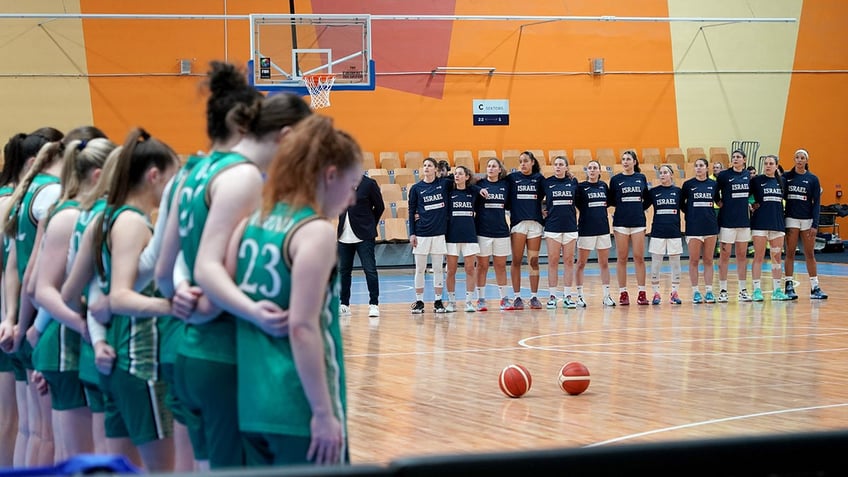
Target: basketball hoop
x,y
319,87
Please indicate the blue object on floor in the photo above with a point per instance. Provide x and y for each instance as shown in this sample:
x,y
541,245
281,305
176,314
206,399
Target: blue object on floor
x,y
81,464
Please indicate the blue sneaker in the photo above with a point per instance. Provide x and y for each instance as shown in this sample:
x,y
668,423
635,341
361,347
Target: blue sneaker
x,y
697,298
709,297
778,295
757,296
675,299
818,294
518,304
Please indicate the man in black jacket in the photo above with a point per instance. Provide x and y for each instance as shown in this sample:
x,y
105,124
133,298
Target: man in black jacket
x,y
357,233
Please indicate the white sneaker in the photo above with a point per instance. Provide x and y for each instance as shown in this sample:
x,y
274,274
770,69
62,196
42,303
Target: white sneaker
x,y
608,301
373,311
344,310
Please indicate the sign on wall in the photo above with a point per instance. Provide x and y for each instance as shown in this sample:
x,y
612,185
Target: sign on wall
x,y
490,112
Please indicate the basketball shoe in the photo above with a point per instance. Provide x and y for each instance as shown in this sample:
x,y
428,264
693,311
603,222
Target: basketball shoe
x,y
790,290
818,294
697,298
675,299
535,304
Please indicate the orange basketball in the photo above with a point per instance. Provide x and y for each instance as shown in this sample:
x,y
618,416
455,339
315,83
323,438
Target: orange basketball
x,y
574,378
515,380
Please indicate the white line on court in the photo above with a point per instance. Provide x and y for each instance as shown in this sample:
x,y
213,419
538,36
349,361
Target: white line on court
x,y
714,421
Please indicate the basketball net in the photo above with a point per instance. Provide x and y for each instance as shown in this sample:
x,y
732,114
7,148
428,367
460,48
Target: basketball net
x,y
319,87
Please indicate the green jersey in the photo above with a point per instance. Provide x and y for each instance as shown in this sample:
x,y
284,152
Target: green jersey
x,y
28,222
173,329
59,346
271,398
214,340
135,339
6,191
87,370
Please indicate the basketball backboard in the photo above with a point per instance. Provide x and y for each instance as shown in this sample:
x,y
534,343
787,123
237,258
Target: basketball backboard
x,y
285,48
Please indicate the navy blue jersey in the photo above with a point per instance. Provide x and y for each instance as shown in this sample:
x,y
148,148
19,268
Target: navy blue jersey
x,y
629,196
803,196
732,190
591,201
696,201
491,211
525,197
667,204
768,194
461,207
429,201
559,204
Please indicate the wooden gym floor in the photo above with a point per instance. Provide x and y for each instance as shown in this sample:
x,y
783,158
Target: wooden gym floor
x,y
426,384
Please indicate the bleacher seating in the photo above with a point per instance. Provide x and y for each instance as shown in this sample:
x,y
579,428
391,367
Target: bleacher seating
x,y
695,153
379,175
674,155
391,192
540,156
404,176
439,155
389,160
651,155
368,161
413,159
719,154
464,158
582,156
553,153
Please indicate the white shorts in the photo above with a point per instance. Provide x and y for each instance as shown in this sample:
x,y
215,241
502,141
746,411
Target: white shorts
x,y
700,238
594,242
803,224
463,249
628,230
733,235
430,245
769,234
665,246
530,228
499,247
561,237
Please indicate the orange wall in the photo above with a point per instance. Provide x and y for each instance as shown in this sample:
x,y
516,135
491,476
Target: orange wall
x,y
818,103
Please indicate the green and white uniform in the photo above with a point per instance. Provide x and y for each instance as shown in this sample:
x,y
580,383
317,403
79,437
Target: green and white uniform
x,y
174,328
134,395
5,359
272,402
205,369
58,347
87,370
28,219
213,341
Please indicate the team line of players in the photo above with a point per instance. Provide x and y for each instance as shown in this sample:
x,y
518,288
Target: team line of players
x,y
509,214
